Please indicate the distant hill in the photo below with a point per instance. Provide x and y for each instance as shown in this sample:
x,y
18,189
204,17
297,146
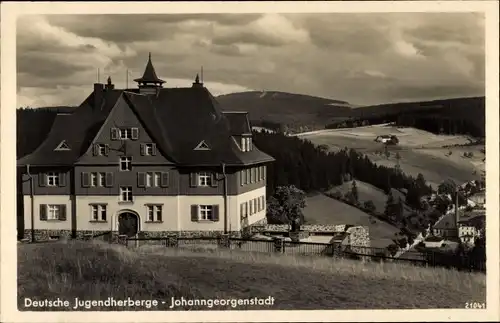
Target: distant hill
x,y
304,112
286,108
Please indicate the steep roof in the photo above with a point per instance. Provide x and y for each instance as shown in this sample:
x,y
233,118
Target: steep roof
x,y
149,75
177,119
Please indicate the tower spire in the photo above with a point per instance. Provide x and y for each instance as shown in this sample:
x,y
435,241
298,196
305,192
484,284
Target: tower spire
x,y
197,82
149,78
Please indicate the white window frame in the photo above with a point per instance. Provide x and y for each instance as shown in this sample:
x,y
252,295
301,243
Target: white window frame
x,y
101,150
243,144
148,149
153,210
127,162
97,211
52,179
93,180
149,179
204,179
101,179
157,179
205,212
125,133
127,192
53,211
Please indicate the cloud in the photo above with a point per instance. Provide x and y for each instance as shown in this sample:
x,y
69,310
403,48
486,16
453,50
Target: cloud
x,y
364,58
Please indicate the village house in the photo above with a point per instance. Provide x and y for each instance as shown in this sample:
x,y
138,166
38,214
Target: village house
x,y
148,160
433,242
470,226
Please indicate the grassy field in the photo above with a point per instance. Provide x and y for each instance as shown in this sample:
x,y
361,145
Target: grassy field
x,y
321,209
97,271
420,151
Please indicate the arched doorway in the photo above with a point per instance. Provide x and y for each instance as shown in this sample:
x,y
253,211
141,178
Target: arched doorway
x,y
128,223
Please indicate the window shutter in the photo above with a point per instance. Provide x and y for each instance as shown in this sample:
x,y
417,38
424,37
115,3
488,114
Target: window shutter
x,y
95,149
43,212
42,179
141,179
114,133
159,215
247,181
153,151
215,214
242,211
242,178
193,179
135,133
62,179
109,179
143,149
62,212
258,174
85,179
194,213
164,179
106,149
265,170
213,180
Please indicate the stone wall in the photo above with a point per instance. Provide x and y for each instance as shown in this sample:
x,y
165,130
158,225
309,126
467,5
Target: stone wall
x,y
307,227
44,235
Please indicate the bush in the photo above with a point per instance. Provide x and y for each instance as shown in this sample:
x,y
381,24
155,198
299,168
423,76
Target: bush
x,y
369,206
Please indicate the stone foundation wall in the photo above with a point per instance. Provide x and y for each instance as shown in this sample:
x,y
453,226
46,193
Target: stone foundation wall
x,y
44,235
307,227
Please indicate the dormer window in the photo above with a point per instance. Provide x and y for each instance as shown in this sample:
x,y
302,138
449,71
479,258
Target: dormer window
x,y
62,146
246,143
124,133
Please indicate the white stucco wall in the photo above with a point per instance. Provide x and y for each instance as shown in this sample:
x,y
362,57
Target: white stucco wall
x,y
176,212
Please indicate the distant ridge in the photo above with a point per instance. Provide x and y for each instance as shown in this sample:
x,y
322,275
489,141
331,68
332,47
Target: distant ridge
x,y
286,108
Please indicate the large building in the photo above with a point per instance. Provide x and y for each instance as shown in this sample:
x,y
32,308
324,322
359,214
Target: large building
x,y
146,161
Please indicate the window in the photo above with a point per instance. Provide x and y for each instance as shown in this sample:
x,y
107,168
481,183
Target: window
x,y
206,212
154,213
125,163
255,210
246,209
102,179
246,144
126,133
62,146
157,179
93,179
52,179
126,194
53,212
202,146
204,179
149,179
250,207
148,149
98,212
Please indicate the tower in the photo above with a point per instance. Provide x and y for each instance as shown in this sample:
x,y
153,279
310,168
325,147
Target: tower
x,y
197,82
149,83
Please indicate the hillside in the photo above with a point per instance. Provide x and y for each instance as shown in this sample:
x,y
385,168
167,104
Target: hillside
x,y
96,271
286,108
321,209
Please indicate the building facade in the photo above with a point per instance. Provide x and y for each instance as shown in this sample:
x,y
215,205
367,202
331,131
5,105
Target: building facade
x,y
144,161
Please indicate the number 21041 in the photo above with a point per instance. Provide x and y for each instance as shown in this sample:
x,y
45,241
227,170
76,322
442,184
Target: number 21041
x,y
475,305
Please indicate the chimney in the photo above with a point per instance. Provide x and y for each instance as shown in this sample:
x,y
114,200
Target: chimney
x,y
98,95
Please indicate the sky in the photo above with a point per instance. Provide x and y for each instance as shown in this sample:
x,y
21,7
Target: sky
x,y
361,58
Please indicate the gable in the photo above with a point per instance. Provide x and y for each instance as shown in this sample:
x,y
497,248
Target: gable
x,y
122,121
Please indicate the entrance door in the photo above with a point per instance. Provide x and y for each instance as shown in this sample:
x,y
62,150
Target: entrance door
x,y
128,224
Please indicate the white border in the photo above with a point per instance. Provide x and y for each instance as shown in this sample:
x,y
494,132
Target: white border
x,y
9,12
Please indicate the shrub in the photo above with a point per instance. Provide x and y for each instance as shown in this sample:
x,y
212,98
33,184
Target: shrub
x,y
369,206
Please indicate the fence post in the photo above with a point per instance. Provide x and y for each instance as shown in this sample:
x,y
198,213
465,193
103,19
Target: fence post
x,y
279,244
172,241
224,241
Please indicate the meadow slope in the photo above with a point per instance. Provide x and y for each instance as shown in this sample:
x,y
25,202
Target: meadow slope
x,y
420,151
97,270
